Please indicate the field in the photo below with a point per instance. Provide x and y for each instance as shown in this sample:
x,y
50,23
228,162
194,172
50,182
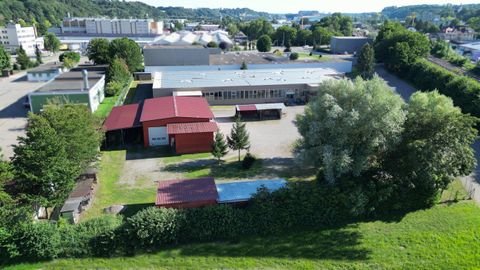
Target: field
x,y
306,56
444,237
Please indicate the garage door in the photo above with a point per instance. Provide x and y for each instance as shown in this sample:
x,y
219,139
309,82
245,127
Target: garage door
x,y
157,136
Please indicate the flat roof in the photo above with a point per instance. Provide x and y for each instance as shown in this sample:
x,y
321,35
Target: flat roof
x,y
472,46
225,78
44,68
181,191
244,190
71,205
73,79
123,117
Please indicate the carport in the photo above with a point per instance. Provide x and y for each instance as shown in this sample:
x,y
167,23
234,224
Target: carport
x,y
123,126
260,111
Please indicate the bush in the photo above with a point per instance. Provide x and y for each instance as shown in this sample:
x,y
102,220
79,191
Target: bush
x,y
287,49
15,66
154,227
114,88
457,60
74,56
212,44
37,241
294,56
248,161
264,43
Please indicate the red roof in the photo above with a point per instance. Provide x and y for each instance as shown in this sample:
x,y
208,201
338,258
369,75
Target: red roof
x,y
122,117
246,108
170,107
199,127
186,191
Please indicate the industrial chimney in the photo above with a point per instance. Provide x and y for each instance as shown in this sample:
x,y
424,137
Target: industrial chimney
x,y
85,79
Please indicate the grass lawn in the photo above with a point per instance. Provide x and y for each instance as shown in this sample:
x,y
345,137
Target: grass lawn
x,y
444,237
110,192
307,56
108,103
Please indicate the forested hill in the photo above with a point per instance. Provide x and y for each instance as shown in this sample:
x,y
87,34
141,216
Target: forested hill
x,y
462,12
32,11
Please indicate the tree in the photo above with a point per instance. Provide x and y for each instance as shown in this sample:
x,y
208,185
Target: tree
x,y
435,148
113,88
22,59
6,174
285,35
38,55
75,56
304,37
293,56
322,36
264,44
349,127
232,29
129,51
239,138
98,51
4,58
366,62
337,23
212,44
51,42
83,136
257,28
43,172
118,71
244,66
220,147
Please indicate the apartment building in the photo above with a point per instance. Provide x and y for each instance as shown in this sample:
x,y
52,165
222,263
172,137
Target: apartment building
x,y
13,36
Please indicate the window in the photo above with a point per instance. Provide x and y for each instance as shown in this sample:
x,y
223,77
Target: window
x,y
234,94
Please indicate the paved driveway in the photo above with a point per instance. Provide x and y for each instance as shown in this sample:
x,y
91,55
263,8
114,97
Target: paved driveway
x,y
13,115
268,139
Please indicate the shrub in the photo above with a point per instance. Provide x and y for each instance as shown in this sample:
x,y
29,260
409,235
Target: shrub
x,y
37,241
113,88
154,227
294,56
264,43
212,44
248,161
74,56
15,66
287,49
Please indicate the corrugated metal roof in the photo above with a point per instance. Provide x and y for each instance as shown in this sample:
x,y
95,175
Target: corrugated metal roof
x,y
123,117
184,128
246,108
71,205
186,191
243,190
170,107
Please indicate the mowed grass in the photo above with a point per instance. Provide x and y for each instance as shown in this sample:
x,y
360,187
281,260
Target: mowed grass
x,y
443,237
307,56
106,107
110,192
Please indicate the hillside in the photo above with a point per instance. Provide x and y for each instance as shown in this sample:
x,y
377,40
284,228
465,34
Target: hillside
x,y
463,12
54,10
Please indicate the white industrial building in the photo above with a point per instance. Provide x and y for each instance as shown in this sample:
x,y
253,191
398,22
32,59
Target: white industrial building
x,y
188,38
14,35
107,26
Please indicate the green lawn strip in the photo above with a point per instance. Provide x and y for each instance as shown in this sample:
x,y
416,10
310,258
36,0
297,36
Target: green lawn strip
x,y
110,192
443,237
307,56
106,107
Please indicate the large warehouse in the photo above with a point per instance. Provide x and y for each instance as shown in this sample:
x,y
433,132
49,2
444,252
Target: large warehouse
x,y
233,87
184,123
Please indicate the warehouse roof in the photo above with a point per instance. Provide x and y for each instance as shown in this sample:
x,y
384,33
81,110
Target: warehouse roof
x,y
244,190
185,128
170,107
225,78
260,107
122,117
173,192
73,79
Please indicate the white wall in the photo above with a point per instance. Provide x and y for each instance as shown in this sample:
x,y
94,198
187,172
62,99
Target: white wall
x,y
97,94
13,36
343,66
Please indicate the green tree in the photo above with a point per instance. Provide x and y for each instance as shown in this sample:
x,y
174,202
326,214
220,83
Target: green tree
x,y
129,51
4,58
337,23
43,172
232,29
285,35
6,174
75,56
83,136
38,55
51,42
304,37
118,71
113,88
219,147
264,44
37,241
255,29
366,62
239,138
22,59
98,51
322,36
349,127
435,148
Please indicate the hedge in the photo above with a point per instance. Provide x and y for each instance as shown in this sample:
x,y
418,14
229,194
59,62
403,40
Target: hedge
x,y
463,90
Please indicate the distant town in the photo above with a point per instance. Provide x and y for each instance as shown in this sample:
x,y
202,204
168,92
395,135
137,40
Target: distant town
x,y
149,137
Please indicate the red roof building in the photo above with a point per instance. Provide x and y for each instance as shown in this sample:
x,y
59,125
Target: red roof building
x,y
184,123
186,193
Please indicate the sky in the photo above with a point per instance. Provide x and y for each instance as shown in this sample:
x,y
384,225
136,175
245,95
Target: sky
x,y
286,6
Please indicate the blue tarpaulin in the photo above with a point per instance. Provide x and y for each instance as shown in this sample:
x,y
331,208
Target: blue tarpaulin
x,y
242,191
